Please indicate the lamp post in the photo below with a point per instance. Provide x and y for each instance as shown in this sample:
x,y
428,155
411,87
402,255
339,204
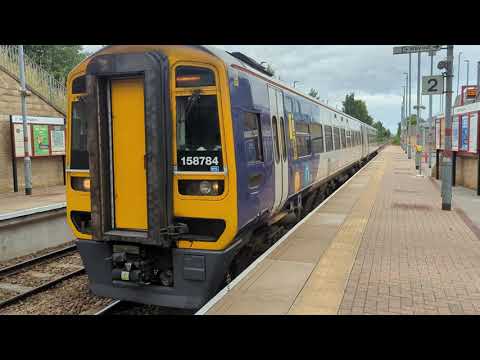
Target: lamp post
x,y
468,69
407,115
23,91
458,72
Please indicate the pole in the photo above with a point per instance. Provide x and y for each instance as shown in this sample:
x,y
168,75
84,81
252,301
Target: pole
x,y
447,153
417,128
458,72
468,69
26,160
430,143
409,147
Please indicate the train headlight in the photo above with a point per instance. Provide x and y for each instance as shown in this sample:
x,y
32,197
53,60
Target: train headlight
x,y
80,183
206,187
201,187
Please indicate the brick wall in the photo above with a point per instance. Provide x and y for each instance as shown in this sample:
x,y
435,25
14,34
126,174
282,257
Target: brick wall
x,y
45,171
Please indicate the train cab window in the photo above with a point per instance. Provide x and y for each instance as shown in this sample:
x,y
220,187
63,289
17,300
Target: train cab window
x,y
79,152
328,138
317,138
336,137
198,126
253,138
343,138
190,76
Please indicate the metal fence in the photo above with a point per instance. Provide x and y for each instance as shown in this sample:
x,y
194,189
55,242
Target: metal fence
x,y
37,78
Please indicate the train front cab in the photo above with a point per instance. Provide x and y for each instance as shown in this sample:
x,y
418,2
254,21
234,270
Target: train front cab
x,y
147,133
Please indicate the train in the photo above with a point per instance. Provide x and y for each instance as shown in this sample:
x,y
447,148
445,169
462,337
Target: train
x,y
183,161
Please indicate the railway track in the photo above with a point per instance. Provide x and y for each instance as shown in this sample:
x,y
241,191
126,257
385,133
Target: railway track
x,y
24,279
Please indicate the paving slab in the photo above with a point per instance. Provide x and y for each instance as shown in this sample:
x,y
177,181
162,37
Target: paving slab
x,y
380,245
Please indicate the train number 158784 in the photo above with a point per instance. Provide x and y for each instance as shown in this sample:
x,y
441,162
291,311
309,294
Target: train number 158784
x,y
199,160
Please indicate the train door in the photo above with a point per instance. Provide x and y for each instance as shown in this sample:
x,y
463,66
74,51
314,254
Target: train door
x,y
277,149
129,185
283,131
364,141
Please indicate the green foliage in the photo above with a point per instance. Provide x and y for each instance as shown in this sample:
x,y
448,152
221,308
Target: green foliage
x,y
271,69
357,109
314,93
58,60
412,119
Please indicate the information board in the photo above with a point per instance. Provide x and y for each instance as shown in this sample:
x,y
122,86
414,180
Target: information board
x,y
455,134
18,140
442,133
41,141
472,144
46,136
464,137
437,133
57,140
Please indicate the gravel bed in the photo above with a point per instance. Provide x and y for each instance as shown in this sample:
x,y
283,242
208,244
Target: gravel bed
x,y
19,259
71,297
55,267
127,308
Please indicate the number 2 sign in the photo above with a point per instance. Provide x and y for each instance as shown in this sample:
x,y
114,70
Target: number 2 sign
x,y
432,85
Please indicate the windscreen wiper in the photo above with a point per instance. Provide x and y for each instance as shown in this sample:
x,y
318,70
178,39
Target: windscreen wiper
x,y
192,100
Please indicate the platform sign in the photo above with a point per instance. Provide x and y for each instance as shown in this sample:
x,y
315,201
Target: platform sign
x,y
464,141
397,50
432,85
472,144
455,124
437,133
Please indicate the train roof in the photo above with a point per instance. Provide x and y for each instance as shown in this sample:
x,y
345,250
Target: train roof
x,y
248,64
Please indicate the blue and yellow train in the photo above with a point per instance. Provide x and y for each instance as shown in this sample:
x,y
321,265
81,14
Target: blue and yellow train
x,y
184,160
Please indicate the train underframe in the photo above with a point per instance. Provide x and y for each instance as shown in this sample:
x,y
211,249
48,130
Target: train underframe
x,y
185,278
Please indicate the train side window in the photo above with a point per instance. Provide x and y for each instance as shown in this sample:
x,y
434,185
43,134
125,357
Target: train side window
x,y
317,138
328,138
349,139
302,134
275,139
336,137
343,138
253,137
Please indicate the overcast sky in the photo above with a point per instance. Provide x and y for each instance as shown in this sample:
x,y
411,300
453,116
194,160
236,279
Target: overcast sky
x,y
370,71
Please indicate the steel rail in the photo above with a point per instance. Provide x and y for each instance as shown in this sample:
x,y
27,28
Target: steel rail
x,y
107,308
40,288
13,269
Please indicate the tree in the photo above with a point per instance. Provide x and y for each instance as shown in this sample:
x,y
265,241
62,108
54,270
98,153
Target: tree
x,y
270,69
314,93
58,60
357,109
412,119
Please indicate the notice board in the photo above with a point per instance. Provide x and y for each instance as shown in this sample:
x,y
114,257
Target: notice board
x,y
465,133
472,143
455,133
46,136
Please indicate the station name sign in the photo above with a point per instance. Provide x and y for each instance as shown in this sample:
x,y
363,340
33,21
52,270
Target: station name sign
x,y
415,49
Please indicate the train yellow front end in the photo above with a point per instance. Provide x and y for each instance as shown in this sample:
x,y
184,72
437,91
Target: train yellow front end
x,y
151,176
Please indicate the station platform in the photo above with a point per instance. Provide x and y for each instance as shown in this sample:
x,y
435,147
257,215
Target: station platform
x,y
379,245
17,204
